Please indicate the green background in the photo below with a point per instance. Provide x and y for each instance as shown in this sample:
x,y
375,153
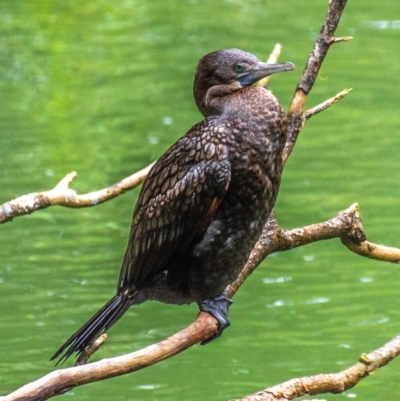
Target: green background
x,y
103,88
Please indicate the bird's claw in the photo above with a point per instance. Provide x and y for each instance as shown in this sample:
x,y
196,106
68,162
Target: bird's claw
x,y
218,308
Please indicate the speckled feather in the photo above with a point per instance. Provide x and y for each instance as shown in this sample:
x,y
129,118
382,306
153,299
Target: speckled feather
x,y
177,201
207,199
204,203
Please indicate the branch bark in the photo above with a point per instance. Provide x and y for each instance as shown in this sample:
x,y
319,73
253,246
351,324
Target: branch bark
x,y
63,380
325,39
331,383
63,195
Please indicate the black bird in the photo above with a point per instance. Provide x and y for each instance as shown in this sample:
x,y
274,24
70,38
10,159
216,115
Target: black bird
x,y
204,203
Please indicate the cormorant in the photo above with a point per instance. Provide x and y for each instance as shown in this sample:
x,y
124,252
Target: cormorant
x,y
204,203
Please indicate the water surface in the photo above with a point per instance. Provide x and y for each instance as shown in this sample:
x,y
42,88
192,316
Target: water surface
x,y
104,88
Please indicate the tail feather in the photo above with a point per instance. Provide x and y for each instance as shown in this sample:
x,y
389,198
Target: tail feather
x,y
94,327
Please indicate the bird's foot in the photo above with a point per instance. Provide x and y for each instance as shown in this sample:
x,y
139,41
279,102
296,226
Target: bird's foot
x,y
218,308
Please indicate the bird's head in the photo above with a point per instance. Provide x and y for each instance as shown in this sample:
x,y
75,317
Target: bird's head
x,y
226,71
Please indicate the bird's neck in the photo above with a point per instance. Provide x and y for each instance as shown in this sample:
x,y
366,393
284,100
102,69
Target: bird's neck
x,y
233,100
211,101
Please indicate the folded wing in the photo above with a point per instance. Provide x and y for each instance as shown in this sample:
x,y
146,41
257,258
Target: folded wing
x,y
178,200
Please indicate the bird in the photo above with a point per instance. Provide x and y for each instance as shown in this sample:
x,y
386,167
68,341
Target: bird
x,y
204,203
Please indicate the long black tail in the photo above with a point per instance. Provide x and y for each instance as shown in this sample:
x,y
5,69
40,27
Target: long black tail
x,y
94,327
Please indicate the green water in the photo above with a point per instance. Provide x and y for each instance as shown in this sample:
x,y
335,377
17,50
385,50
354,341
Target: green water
x,y
104,88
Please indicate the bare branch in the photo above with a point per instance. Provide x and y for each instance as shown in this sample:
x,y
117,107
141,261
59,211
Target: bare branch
x,y
346,224
62,195
317,56
325,39
342,39
89,351
296,122
373,251
331,383
62,380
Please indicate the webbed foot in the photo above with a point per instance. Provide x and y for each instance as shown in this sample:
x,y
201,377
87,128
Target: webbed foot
x,y
218,308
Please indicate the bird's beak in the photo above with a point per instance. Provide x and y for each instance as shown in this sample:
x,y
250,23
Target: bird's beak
x,y
262,70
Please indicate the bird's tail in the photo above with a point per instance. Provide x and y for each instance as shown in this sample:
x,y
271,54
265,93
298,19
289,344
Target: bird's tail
x,y
94,327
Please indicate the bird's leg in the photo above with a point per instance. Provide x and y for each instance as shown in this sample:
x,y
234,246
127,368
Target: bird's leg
x,y
218,308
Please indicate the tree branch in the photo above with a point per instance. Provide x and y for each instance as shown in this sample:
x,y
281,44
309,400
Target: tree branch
x,y
324,105
62,195
325,39
331,383
62,380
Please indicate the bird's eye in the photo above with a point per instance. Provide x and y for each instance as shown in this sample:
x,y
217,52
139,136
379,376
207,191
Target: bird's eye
x,y
239,68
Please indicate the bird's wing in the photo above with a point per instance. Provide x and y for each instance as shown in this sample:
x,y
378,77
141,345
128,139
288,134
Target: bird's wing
x,y
178,200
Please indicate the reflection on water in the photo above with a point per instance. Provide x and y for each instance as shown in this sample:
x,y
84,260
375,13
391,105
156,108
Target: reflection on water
x,y
104,88
394,24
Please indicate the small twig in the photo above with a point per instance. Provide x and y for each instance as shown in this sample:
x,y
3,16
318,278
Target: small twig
x,y
324,105
276,52
342,39
89,351
273,58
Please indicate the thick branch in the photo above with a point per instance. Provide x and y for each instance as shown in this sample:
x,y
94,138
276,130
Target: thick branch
x,y
63,380
346,224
